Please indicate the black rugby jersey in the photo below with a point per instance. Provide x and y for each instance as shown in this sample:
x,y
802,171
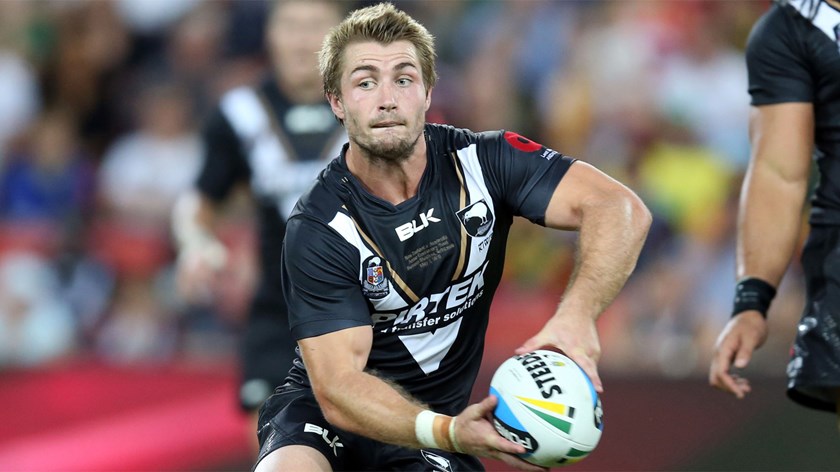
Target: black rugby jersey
x,y
422,273
793,55
257,135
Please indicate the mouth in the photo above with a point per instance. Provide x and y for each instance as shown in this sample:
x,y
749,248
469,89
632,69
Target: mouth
x,y
386,124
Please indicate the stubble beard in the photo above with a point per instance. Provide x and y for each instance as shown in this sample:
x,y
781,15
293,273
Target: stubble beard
x,y
389,152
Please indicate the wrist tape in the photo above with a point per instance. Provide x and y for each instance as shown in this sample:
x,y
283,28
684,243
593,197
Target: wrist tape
x,y
435,431
753,294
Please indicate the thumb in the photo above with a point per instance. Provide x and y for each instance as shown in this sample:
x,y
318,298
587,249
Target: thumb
x,y
487,405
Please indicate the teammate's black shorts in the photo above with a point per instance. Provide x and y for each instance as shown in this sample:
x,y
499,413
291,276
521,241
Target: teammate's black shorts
x,y
266,353
292,417
814,368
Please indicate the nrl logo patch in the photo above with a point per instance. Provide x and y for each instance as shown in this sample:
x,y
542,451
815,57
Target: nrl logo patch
x,y
375,282
477,219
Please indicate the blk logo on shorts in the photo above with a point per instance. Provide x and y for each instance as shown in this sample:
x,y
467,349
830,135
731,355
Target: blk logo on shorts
x,y
334,443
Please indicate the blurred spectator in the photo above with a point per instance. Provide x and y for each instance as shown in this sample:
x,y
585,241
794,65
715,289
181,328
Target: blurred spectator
x,y
137,328
19,99
703,86
50,177
144,171
35,325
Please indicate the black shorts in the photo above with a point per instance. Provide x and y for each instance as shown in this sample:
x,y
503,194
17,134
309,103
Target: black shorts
x,y
266,353
292,417
814,368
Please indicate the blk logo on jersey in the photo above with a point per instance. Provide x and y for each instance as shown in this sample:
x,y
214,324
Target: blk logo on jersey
x,y
375,282
408,230
477,219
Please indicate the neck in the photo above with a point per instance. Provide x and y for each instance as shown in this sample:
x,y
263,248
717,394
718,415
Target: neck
x,y
392,181
834,3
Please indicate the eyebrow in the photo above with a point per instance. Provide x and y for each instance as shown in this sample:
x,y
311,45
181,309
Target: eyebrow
x,y
371,68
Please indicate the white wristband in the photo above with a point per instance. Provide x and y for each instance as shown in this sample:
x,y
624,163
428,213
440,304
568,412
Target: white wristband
x,y
452,439
424,429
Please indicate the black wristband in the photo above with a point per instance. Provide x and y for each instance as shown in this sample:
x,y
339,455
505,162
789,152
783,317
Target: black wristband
x,y
753,294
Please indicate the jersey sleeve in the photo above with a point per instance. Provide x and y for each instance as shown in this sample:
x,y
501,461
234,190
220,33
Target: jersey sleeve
x,y
777,63
320,280
523,174
224,162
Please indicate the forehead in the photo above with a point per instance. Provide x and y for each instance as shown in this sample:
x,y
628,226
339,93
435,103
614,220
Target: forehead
x,y
380,56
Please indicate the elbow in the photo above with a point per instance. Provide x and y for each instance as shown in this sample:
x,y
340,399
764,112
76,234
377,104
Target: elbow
x,y
327,402
641,216
634,216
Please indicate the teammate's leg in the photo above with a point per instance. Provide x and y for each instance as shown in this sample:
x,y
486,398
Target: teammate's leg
x,y
294,457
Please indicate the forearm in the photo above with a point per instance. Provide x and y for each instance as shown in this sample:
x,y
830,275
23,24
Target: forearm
x,y
769,223
612,233
370,406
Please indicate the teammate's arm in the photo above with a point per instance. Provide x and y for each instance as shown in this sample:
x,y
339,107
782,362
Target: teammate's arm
x,y
200,254
362,403
769,223
613,223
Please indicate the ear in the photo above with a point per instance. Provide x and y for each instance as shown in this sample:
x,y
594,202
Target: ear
x,y
428,99
336,105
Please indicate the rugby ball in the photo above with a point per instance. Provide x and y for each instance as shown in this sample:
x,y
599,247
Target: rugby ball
x,y
548,405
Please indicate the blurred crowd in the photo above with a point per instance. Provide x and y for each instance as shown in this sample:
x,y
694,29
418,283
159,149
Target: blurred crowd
x,y
101,103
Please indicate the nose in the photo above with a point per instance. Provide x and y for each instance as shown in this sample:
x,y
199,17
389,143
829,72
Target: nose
x,y
388,97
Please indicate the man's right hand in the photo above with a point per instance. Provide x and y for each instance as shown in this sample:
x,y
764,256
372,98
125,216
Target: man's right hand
x,y
476,436
742,335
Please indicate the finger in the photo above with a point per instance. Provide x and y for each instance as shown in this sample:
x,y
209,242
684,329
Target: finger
x,y
724,380
722,360
517,463
485,407
591,369
742,358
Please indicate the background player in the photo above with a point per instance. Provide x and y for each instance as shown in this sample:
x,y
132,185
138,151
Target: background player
x,y
793,59
392,259
275,138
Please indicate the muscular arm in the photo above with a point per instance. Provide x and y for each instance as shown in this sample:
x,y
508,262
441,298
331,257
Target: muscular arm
x,y
769,222
360,402
353,399
774,189
613,223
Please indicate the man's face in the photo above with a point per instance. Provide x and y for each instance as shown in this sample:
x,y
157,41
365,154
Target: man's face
x,y
383,100
295,33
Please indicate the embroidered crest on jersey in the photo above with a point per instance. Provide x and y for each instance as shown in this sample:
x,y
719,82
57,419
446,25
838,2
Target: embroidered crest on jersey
x,y
375,282
476,218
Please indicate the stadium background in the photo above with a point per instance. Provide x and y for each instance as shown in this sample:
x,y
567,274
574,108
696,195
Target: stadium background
x,y
102,367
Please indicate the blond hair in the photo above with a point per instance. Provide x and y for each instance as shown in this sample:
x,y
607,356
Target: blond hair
x,y
382,23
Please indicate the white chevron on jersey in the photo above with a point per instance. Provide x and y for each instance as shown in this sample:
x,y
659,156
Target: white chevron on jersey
x,y
428,349
476,190
273,173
